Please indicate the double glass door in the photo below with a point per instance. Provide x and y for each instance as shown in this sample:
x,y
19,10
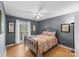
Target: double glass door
x,y
22,30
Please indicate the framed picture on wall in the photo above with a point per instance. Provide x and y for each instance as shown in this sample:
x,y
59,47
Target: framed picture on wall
x,y
11,26
65,28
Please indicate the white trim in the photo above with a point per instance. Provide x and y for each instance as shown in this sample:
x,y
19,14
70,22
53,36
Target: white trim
x,y
29,28
17,32
66,47
5,53
10,45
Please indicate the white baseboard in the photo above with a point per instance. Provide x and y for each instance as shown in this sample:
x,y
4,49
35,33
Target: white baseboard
x,y
5,53
10,45
13,44
67,47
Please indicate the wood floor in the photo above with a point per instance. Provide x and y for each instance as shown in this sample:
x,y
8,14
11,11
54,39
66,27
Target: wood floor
x,y
20,51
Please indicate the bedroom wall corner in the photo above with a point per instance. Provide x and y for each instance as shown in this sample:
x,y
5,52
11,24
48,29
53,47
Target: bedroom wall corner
x,y
55,23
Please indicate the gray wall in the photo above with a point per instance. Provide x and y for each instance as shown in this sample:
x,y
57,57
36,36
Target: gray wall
x,y
2,34
64,38
34,32
10,37
55,23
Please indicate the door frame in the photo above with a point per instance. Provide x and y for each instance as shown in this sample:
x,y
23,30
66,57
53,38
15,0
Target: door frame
x,y
17,33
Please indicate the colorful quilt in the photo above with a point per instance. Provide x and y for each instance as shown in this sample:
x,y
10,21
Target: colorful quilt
x,y
45,42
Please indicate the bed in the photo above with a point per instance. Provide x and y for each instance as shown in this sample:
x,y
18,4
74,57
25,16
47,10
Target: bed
x,y
39,44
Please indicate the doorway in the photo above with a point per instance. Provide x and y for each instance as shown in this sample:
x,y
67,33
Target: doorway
x,y
22,29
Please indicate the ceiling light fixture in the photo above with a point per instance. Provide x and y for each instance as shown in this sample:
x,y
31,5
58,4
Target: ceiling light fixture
x,y
38,15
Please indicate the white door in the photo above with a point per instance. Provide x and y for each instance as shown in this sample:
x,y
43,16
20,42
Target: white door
x,y
22,29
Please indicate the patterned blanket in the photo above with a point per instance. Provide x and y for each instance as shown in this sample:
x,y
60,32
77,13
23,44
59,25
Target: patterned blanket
x,y
45,42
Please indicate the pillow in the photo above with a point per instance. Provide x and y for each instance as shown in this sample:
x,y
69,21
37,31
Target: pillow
x,y
44,33
51,33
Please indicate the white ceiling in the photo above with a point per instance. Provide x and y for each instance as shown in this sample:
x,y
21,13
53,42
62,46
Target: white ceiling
x,y
48,9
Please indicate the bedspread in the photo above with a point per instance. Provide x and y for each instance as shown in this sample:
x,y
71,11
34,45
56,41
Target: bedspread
x,y
45,42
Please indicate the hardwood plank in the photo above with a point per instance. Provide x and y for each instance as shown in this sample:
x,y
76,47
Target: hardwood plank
x,y
59,51
20,51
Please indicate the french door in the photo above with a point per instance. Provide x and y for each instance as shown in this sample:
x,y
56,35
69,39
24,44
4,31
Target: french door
x,y
22,29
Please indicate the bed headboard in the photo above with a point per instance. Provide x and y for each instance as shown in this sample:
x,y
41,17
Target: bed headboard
x,y
50,30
